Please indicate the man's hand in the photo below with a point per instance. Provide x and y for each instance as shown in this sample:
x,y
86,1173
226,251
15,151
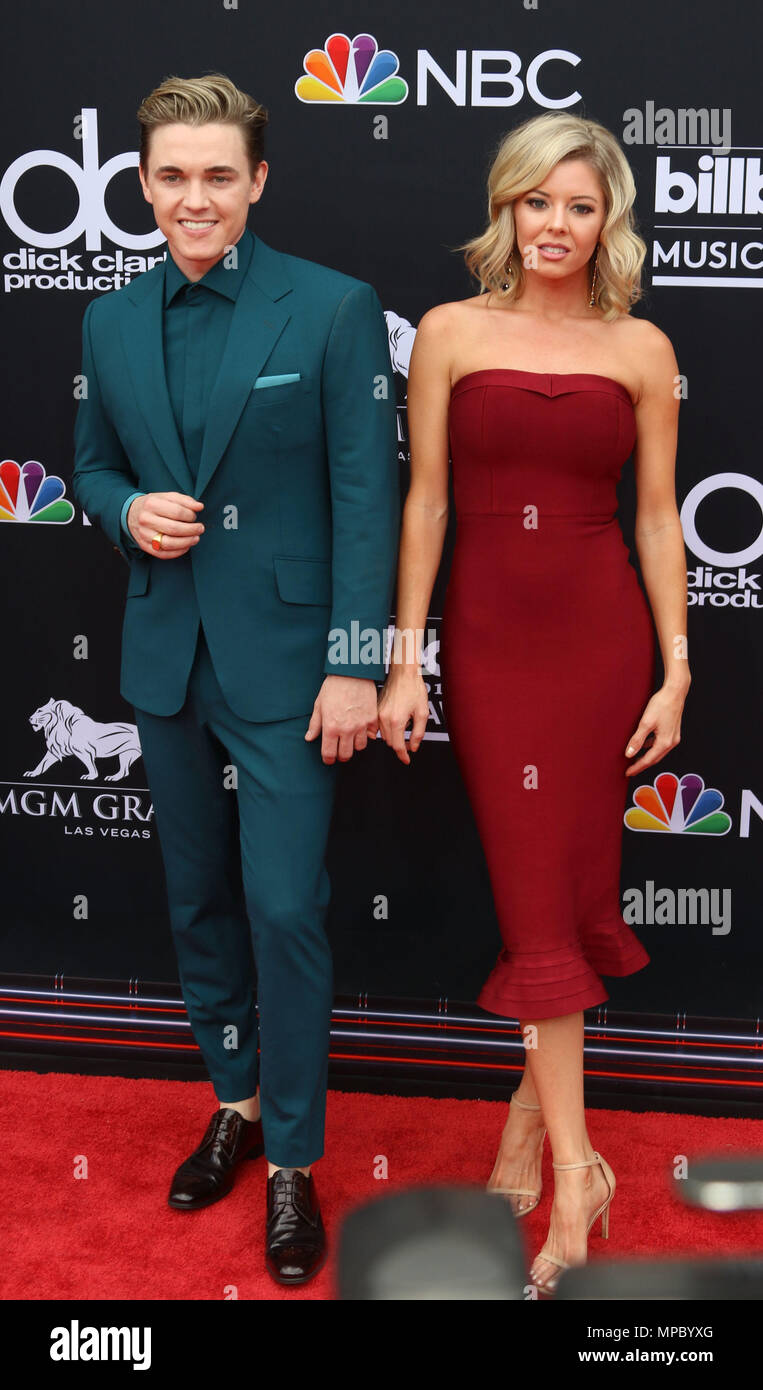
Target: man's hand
x,y
172,513
345,708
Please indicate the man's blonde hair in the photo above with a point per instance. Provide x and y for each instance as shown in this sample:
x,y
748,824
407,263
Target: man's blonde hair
x,y
198,100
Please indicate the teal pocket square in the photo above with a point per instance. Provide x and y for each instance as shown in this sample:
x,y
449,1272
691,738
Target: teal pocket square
x,y
275,380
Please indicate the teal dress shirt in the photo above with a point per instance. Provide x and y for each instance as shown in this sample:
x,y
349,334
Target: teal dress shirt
x,y
196,320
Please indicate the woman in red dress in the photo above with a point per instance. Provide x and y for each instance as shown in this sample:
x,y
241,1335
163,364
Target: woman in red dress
x,y
541,387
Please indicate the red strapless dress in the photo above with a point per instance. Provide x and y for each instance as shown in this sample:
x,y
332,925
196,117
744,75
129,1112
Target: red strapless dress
x,y
547,661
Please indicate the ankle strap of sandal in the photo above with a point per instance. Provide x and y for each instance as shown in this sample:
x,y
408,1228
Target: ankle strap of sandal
x,y
523,1103
587,1163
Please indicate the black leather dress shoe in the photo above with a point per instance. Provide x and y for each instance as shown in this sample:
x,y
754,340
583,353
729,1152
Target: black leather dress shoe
x,y
207,1175
295,1237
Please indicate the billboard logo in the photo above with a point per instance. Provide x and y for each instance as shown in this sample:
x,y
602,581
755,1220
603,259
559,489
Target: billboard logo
x,y
719,253
729,186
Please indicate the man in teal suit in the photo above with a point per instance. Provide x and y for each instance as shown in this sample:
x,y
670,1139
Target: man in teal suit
x,y
237,444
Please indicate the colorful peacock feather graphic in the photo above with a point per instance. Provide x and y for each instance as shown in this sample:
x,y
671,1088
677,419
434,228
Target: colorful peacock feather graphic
x,y
351,71
28,494
681,808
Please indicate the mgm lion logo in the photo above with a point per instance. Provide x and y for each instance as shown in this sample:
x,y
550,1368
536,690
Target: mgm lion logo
x,y
69,732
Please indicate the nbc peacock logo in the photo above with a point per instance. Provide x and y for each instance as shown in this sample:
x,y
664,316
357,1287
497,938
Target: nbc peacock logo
x,y
28,494
687,807
352,72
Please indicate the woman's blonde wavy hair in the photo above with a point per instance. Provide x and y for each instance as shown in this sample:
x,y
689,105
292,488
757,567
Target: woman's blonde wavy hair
x,y
197,100
524,158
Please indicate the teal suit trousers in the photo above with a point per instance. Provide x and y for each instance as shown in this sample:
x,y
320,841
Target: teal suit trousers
x,y
229,794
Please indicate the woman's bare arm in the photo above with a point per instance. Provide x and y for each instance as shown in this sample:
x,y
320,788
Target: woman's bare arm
x,y
658,536
424,523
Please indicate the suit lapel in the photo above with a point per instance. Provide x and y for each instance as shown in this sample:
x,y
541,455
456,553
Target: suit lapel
x,y
256,324
144,348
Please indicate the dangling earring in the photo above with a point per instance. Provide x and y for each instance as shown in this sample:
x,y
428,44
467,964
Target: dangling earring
x,y
593,282
507,281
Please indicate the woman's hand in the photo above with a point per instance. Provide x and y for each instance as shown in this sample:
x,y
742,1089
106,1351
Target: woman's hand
x,y
404,696
662,717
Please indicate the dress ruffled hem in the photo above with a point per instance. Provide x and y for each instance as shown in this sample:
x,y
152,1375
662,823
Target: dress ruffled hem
x,y
562,980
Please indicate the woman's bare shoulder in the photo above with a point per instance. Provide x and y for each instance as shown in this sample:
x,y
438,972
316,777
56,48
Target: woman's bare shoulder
x,y
444,324
649,354
643,335
442,316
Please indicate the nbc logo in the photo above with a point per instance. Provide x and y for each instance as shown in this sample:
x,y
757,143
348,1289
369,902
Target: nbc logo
x,y
351,71
27,494
685,807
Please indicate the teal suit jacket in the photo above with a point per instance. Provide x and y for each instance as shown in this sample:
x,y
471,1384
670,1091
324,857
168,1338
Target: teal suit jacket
x,y
299,480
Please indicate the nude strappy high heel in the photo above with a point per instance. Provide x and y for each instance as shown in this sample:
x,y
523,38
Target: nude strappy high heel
x,y
521,1191
602,1211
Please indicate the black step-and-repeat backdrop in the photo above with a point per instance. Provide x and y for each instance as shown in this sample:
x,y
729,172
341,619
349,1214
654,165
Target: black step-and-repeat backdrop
x,y
379,172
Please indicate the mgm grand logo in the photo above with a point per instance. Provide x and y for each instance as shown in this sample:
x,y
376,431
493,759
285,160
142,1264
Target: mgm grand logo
x,y
73,740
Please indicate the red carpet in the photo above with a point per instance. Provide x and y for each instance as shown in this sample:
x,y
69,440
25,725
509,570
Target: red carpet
x,y
111,1235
